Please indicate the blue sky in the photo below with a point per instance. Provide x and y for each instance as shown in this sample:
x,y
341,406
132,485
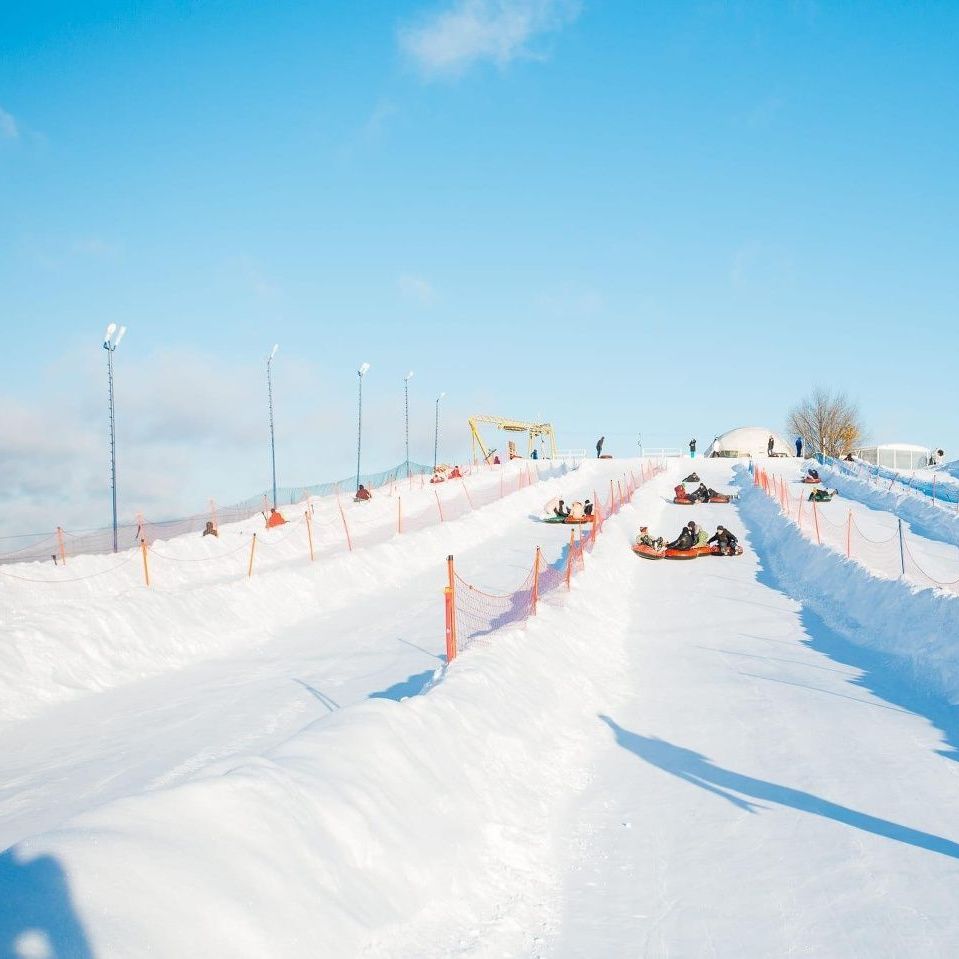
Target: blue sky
x,y
669,218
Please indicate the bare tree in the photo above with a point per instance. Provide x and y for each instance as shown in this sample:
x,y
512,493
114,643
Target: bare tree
x,y
828,422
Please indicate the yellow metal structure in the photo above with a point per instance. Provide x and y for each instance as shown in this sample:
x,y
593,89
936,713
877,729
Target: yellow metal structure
x,y
533,430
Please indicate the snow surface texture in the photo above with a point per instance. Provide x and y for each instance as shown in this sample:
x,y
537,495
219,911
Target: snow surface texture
x,y
917,625
93,624
671,760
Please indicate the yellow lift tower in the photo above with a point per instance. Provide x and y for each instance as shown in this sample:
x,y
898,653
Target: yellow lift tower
x,y
533,431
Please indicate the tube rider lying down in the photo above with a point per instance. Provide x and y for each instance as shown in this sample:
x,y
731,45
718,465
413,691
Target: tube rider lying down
x,y
703,493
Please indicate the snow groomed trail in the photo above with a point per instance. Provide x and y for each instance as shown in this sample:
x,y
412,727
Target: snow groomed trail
x,y
753,796
709,758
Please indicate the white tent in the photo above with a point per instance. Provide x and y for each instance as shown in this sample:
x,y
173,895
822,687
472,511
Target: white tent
x,y
896,456
749,441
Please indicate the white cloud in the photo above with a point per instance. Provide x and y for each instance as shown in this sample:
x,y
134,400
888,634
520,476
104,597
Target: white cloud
x,y
8,126
469,31
417,289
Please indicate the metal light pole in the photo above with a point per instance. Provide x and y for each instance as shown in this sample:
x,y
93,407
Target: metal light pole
x,y
406,391
361,372
111,340
436,430
269,393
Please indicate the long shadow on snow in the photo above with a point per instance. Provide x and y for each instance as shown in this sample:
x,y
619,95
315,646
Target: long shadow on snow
x,y
37,917
411,686
883,674
698,770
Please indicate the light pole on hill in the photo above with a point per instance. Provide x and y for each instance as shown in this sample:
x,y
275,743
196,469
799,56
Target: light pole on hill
x,y
111,340
406,396
436,431
361,372
269,394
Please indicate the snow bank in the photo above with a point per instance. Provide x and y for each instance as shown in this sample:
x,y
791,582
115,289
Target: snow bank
x,y
376,831
60,640
917,626
932,520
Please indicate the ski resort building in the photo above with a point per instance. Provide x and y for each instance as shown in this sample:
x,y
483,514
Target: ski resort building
x,y
749,441
896,456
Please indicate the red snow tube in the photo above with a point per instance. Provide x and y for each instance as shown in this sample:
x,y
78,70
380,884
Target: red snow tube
x,y
809,479
578,521
721,498
649,552
693,553
683,502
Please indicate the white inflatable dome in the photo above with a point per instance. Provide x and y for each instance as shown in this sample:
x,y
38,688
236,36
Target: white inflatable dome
x,y
749,441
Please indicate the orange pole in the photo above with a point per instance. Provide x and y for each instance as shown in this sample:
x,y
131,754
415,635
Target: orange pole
x,y
213,513
309,531
534,598
612,499
346,527
399,514
450,593
146,567
620,488
249,571
799,515
569,559
60,547
815,516
439,505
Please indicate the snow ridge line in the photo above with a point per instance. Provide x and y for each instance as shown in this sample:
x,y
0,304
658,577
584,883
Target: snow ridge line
x,y
461,786
932,520
916,625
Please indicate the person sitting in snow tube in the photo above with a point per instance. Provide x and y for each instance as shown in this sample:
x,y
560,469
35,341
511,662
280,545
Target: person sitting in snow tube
x,y
644,539
576,513
812,476
702,537
362,495
455,473
682,497
274,519
726,543
822,495
561,510
692,478
686,539
700,494
588,508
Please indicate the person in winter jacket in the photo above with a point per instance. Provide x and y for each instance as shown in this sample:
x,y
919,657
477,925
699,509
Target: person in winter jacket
x,y
644,539
692,449
588,508
770,443
210,529
363,494
576,510
599,446
798,446
561,510
701,493
685,540
680,492
692,478
724,539
702,537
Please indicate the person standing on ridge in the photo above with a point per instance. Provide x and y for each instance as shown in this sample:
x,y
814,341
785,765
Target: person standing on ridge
x,y
769,446
798,446
692,449
599,446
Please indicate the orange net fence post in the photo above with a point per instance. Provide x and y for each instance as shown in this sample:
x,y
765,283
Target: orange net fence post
x,y
249,569
399,515
450,595
439,505
213,514
569,559
309,532
146,565
346,526
534,595
815,516
60,547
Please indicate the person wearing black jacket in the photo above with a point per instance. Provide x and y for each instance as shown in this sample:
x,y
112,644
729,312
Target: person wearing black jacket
x,y
724,539
685,540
